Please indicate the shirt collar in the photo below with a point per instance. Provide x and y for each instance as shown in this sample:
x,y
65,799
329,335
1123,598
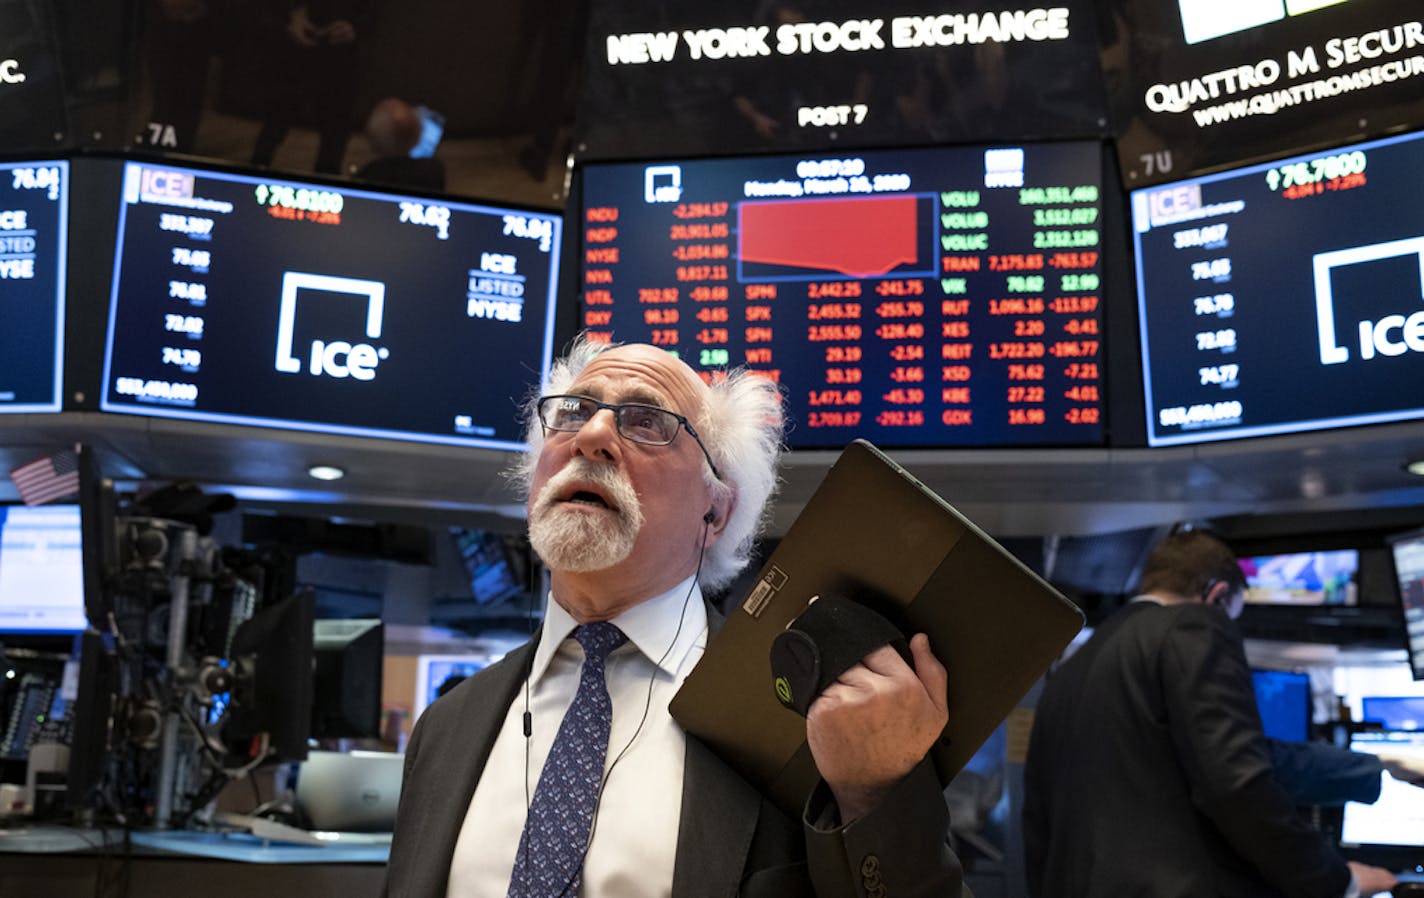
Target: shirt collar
x,y
1148,597
651,625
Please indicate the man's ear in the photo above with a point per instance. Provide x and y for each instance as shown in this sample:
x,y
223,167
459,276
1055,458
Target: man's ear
x,y
720,513
1217,593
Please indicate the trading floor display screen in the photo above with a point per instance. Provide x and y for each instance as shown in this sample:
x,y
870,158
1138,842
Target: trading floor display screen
x,y
258,301
664,78
1287,296
916,298
33,236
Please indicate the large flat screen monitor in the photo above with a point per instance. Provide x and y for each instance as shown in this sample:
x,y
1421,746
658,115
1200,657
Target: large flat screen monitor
x,y
1302,578
255,300
1407,552
41,570
932,297
1287,296
1397,818
1200,84
663,79
34,226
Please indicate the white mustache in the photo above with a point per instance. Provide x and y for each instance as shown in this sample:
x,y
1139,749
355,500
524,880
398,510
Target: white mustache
x,y
607,478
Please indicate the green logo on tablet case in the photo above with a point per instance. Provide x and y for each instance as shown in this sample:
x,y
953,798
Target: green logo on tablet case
x,y
783,689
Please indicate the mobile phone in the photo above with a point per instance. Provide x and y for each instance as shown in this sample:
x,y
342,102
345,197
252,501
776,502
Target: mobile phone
x,y
432,126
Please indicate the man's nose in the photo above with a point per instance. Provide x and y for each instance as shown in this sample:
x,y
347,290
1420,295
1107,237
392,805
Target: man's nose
x,y
599,436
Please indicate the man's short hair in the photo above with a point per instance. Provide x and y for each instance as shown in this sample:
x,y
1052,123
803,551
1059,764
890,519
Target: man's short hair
x,y
1188,562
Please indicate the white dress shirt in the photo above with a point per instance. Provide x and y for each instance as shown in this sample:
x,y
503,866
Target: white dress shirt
x,y
636,823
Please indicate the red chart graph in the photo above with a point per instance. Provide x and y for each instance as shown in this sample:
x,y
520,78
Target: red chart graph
x,y
861,237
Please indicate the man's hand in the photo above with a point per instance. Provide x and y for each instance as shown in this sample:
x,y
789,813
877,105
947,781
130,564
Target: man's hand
x,y
1404,768
300,28
872,726
339,32
1372,880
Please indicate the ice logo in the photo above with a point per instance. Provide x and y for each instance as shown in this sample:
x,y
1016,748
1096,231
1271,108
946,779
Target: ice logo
x,y
1376,337
662,183
337,358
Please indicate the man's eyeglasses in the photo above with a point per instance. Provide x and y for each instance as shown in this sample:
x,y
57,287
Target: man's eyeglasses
x,y
636,422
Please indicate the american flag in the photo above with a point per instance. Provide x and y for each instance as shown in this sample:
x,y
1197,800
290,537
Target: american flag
x,y
49,478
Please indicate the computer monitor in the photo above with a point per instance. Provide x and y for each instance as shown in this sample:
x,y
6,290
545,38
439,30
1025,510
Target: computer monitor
x,y
41,569
346,696
1407,554
1397,819
273,653
1284,700
1394,712
486,560
437,674
1302,578
94,702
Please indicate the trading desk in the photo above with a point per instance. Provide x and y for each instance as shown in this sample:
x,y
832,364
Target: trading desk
x,y
64,862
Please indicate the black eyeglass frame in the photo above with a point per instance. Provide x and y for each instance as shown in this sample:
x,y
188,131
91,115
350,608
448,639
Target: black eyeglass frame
x,y
617,409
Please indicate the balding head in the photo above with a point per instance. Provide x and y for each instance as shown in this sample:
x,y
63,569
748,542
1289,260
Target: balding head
x,y
393,128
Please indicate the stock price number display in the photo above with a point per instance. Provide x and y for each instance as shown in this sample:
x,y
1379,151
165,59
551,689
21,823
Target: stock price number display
x,y
312,307
33,226
1284,296
945,297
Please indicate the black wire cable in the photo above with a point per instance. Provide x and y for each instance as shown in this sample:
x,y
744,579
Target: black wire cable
x,y
647,706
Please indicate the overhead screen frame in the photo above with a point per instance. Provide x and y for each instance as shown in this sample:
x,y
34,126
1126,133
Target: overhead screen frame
x,y
539,321
1107,248
1192,209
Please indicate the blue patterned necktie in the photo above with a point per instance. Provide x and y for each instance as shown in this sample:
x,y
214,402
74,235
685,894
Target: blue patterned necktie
x,y
551,851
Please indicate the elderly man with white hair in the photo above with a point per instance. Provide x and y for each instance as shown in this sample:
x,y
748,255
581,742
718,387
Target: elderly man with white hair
x,y
559,771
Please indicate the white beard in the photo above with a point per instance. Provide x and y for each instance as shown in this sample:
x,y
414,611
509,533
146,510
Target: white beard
x,y
569,539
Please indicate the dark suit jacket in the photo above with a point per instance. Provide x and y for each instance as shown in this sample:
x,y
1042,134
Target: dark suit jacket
x,y
731,840
1148,773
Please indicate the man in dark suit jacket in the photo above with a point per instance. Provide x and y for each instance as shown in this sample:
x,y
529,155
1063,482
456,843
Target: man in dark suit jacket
x,y
1148,773
628,512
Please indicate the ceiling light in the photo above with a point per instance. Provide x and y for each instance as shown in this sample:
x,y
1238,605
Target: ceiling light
x,y
326,472
1415,466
